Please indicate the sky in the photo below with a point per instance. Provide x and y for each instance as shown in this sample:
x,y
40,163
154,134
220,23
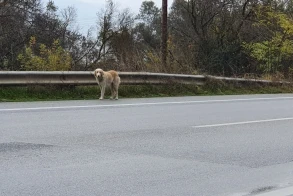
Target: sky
x,y
87,9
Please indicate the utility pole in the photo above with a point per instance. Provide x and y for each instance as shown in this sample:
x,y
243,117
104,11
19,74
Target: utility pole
x,y
164,37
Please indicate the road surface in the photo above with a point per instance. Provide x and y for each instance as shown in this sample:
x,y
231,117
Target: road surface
x,y
200,146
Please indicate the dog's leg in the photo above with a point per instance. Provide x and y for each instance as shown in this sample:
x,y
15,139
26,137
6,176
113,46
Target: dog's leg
x,y
100,86
116,87
112,91
102,91
116,92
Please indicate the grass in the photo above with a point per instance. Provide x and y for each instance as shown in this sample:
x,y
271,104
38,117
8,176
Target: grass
x,y
45,93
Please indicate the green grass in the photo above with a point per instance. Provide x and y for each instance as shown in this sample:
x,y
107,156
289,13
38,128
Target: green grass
x,y
38,93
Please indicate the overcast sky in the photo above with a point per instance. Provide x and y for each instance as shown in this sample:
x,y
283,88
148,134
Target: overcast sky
x,y
87,9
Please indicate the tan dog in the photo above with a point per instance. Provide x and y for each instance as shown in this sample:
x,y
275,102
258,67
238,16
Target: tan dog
x,y
108,79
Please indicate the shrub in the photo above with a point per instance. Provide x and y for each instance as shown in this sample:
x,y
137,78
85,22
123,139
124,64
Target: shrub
x,y
43,58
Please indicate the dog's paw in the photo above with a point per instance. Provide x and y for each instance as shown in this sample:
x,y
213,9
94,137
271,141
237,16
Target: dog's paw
x,y
101,98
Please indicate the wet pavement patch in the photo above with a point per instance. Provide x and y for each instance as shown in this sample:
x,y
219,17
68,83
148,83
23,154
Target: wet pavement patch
x,y
262,189
19,146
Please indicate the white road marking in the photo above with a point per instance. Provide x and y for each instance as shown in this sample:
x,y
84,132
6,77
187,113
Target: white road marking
x,y
242,123
142,104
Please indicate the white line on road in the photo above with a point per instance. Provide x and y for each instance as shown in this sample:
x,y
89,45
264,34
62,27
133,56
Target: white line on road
x,y
242,123
142,104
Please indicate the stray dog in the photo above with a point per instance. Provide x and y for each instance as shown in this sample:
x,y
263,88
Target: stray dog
x,y
108,79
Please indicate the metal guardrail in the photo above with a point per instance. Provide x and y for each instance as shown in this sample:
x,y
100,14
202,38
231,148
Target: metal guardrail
x,y
24,78
20,78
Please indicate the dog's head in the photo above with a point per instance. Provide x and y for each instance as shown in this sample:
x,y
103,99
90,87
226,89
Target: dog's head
x,y
99,73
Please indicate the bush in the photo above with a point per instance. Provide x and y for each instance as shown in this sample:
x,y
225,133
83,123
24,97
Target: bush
x,y
43,58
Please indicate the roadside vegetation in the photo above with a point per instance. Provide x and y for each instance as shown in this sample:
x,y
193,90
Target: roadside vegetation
x,y
231,38
41,93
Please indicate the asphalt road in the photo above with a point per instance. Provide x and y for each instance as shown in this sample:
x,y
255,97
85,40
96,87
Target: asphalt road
x,y
221,145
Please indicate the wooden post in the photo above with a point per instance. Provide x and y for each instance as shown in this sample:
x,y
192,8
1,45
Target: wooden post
x,y
164,38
